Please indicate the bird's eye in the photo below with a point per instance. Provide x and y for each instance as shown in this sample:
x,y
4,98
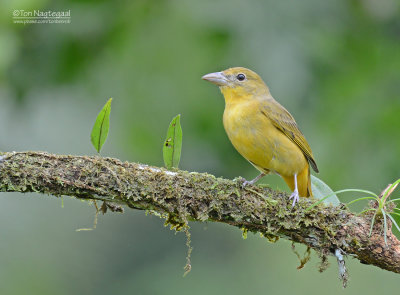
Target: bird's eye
x,y
241,77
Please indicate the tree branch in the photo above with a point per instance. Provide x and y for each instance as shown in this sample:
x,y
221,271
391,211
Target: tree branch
x,y
181,196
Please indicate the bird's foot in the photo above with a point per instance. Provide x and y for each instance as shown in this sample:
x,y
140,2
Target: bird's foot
x,y
253,181
295,196
248,182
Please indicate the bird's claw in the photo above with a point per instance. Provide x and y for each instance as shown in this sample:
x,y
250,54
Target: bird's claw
x,y
253,181
243,182
246,183
295,196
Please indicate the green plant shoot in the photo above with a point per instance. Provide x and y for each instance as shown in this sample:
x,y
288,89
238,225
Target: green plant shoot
x,y
173,144
323,192
383,207
101,126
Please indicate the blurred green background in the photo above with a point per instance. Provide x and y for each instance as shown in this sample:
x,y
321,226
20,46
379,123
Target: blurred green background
x,y
335,65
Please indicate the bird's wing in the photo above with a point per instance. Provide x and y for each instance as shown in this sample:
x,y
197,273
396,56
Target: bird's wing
x,y
285,122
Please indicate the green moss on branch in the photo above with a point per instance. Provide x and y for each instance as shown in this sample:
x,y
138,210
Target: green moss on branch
x,y
182,195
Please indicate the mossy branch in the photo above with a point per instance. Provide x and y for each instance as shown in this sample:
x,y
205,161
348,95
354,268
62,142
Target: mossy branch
x,y
181,195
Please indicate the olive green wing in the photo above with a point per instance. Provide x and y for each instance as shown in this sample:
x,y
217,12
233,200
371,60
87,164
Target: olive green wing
x,y
285,122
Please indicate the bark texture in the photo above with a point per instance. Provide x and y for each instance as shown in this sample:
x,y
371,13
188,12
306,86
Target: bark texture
x,y
180,196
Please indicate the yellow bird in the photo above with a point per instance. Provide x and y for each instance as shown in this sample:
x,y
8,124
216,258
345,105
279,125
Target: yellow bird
x,y
263,131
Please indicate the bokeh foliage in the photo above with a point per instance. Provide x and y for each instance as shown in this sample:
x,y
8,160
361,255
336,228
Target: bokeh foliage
x,y
335,65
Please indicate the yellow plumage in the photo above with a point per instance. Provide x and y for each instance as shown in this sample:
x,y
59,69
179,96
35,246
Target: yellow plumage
x,y
263,131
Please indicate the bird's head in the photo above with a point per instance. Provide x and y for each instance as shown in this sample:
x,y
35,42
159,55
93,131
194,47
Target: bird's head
x,y
238,82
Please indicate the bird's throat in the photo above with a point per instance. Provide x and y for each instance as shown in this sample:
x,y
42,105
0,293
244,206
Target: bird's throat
x,y
234,95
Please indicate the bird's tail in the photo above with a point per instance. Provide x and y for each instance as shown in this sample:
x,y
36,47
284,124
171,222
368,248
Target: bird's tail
x,y
303,182
309,182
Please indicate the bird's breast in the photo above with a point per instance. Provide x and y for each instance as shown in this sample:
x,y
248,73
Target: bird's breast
x,y
256,138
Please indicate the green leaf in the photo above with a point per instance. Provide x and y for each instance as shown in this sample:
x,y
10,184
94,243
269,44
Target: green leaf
x,y
100,128
394,218
173,144
321,190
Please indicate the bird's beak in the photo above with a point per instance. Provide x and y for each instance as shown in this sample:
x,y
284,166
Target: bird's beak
x,y
217,78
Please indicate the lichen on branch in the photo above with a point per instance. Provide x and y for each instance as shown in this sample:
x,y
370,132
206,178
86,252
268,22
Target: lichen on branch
x,y
184,196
